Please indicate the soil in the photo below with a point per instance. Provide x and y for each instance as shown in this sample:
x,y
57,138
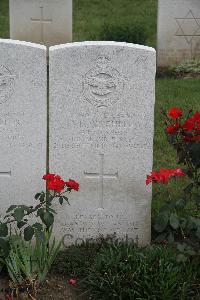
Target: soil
x,y
56,287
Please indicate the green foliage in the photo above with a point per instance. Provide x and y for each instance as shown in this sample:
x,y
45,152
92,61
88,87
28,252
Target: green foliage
x,y
27,263
90,16
178,220
45,253
19,264
125,272
4,19
119,32
188,66
19,216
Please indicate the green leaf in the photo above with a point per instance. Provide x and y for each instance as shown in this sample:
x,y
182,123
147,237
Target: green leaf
x,y
40,212
161,237
198,233
161,222
52,210
170,238
181,258
11,208
188,188
38,226
174,221
47,219
21,224
42,197
37,196
18,214
66,199
5,246
61,200
180,203
40,235
196,198
28,233
181,247
194,152
3,230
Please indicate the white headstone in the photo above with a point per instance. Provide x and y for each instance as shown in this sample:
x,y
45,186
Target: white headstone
x,y
47,22
22,121
178,36
101,134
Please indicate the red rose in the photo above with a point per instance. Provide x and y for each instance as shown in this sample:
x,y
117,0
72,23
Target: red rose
x,y
72,184
48,177
163,175
174,113
155,176
72,281
192,138
191,127
173,128
56,185
178,172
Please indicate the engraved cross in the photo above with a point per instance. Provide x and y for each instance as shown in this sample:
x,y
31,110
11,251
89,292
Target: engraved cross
x,y
42,22
101,175
5,174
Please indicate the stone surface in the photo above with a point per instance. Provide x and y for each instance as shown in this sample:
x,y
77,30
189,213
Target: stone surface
x,y
101,134
178,36
22,121
47,22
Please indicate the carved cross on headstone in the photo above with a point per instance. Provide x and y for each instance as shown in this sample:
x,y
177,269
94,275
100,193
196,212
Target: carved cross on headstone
x,y
101,175
5,174
42,22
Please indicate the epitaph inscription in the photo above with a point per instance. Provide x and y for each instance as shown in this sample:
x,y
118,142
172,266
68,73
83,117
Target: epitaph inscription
x,y
7,81
103,84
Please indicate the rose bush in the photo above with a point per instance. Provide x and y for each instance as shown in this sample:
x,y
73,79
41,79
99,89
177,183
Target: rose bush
x,y
179,220
28,264
19,215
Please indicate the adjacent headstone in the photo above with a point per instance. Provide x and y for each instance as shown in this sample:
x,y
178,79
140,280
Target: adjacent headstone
x,y
178,36
47,22
22,122
101,134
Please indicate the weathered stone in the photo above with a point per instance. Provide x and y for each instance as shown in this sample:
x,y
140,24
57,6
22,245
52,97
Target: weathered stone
x,y
101,134
22,121
47,22
178,36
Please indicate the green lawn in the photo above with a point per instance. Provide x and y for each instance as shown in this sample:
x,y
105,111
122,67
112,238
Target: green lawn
x,y
89,18
4,20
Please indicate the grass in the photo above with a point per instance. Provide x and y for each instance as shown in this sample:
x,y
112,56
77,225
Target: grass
x,y
90,16
4,19
121,271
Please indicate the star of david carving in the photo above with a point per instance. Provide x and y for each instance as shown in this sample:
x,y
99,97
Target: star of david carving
x,y
188,27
